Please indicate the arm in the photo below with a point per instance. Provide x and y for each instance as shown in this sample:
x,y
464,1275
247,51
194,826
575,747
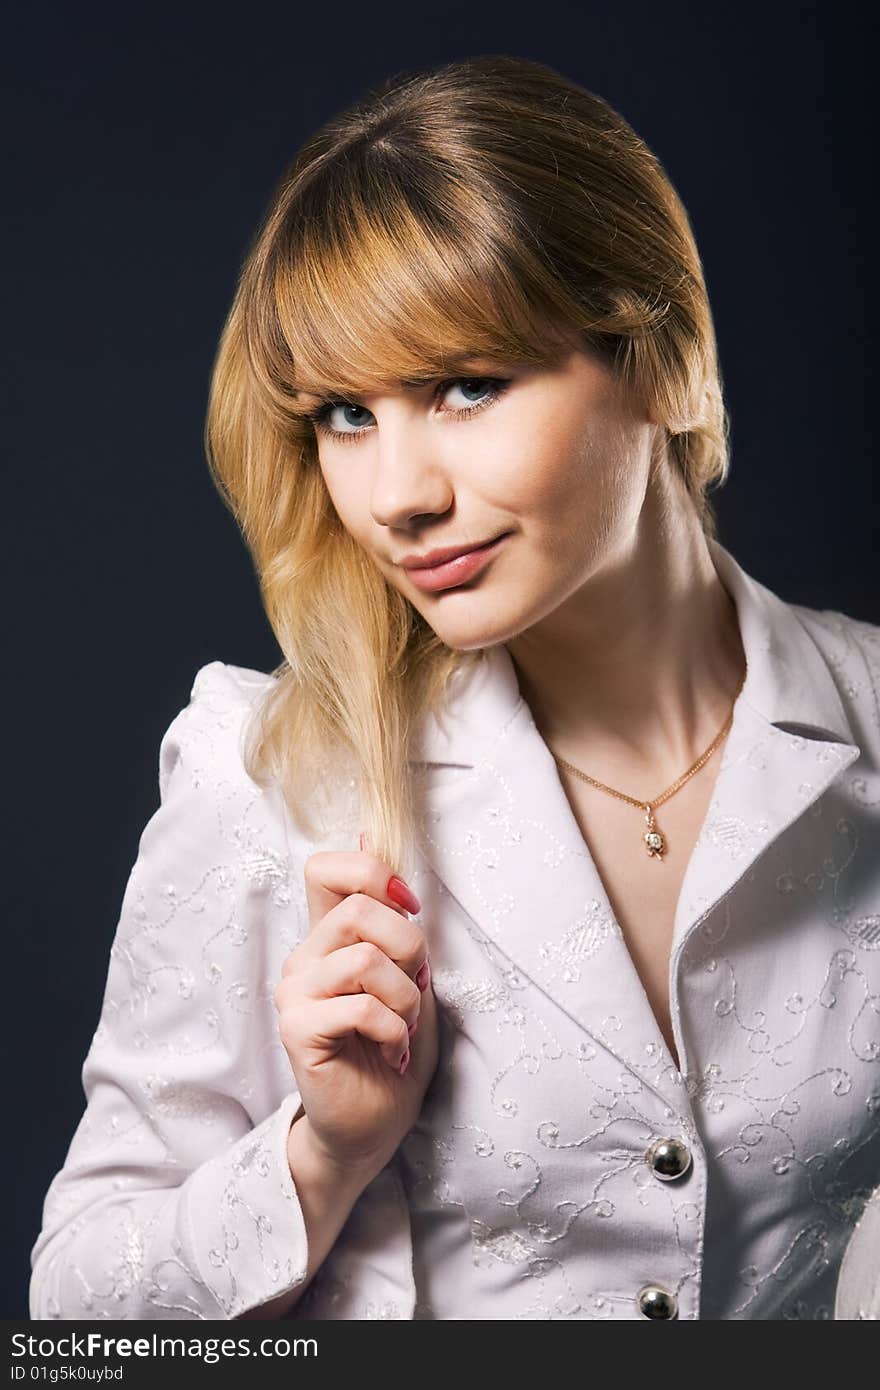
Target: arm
x,y
177,1197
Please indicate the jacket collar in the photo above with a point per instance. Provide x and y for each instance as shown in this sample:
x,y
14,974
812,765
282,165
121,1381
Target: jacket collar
x,y
788,681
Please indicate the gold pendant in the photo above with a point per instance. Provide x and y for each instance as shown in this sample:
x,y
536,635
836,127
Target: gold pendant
x,y
654,842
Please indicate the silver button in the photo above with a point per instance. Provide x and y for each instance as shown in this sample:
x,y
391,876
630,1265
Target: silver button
x,y
657,1302
669,1158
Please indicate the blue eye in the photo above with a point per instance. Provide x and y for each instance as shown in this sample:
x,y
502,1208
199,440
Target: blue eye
x,y
491,387
342,405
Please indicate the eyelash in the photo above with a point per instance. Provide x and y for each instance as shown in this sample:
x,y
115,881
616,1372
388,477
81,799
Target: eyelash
x,y
320,415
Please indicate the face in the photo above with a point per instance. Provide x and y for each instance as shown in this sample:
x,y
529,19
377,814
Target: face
x,y
553,461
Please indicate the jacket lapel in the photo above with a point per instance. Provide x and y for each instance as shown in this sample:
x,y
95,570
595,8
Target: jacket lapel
x,y
499,832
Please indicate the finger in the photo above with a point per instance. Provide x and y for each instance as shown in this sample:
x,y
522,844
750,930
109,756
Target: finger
x,y
322,1025
331,875
364,968
361,918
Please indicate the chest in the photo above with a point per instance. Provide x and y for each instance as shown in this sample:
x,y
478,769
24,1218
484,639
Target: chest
x,y
644,889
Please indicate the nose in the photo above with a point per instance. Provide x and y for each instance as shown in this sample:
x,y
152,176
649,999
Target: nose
x,y
409,479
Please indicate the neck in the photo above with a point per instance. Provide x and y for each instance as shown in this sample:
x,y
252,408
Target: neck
x,y
637,671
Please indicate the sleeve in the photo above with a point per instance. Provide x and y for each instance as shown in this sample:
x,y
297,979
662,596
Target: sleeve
x,y
175,1199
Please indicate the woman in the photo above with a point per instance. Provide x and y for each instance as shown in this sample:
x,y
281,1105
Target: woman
x,y
509,951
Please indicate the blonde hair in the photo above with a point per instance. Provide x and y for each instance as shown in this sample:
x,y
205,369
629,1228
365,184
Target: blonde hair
x,y
489,207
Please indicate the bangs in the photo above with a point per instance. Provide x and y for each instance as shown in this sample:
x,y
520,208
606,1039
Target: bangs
x,y
379,281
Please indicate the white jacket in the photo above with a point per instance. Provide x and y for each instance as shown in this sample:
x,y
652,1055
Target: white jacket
x,y
527,1188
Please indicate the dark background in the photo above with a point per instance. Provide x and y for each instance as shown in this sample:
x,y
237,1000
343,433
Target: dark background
x,y
142,146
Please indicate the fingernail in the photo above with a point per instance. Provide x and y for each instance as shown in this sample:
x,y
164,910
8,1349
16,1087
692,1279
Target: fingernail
x,y
404,1062
412,1028
398,891
423,978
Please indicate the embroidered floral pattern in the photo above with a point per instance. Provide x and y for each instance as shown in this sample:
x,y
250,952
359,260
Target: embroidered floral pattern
x,y
526,1188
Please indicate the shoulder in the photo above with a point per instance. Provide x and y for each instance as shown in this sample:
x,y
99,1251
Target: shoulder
x,y
851,649
206,735
210,808
850,643
218,847
204,770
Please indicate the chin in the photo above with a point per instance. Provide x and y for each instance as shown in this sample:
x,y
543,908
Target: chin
x,y
470,637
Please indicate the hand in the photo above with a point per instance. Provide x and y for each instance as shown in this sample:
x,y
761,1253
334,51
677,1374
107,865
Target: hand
x,y
347,1001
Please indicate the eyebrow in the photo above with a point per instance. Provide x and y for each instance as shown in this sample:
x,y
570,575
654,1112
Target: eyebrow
x,y
463,359
459,362
413,382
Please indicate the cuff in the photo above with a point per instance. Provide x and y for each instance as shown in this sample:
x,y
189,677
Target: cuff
x,y
243,1220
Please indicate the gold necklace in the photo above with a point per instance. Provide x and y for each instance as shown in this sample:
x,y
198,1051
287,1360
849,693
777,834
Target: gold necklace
x,y
654,841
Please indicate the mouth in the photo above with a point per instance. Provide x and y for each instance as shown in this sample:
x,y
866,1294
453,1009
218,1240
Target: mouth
x,y
457,569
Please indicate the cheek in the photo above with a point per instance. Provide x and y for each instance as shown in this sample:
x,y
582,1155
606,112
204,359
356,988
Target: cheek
x,y
532,475
574,486
349,507
550,474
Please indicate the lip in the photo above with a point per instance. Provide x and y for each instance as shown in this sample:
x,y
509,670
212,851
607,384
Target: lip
x,y
453,566
439,557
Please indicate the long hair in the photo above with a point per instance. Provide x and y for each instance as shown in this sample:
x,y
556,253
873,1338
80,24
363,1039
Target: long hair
x,y
488,206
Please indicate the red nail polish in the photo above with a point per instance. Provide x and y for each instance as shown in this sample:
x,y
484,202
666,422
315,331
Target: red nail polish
x,y
399,893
